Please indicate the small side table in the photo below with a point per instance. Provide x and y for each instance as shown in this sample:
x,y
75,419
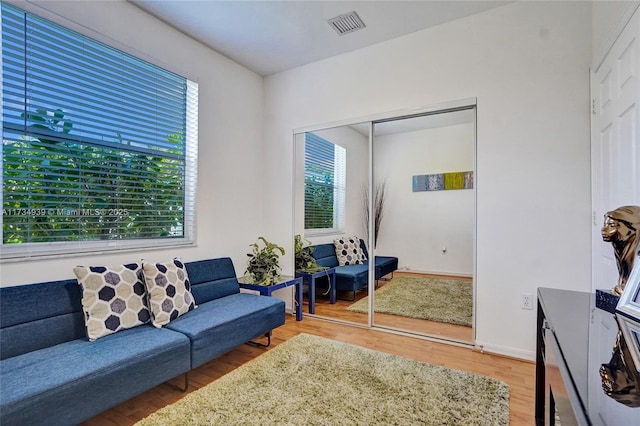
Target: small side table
x,y
311,279
284,281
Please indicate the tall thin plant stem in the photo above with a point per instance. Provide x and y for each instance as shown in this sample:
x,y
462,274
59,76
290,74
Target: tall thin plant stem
x,y
378,208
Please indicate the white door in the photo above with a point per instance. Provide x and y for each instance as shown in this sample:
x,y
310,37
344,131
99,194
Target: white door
x,y
615,142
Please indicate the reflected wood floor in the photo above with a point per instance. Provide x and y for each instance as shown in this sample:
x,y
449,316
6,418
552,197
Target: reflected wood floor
x,y
339,311
518,374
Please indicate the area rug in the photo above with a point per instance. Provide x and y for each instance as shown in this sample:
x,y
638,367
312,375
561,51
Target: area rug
x,y
311,380
434,299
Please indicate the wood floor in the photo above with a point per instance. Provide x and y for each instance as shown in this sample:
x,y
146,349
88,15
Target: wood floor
x,y
519,375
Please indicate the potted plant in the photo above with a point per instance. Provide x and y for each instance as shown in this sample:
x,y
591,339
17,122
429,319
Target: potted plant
x,y
263,265
304,261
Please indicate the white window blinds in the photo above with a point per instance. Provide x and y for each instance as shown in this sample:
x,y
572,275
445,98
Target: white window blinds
x,y
325,175
99,147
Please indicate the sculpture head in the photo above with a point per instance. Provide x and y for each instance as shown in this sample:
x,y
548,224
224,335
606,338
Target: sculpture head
x,y
621,224
622,229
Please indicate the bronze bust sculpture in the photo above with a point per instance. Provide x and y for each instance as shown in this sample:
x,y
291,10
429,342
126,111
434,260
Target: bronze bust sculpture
x,y
620,377
622,229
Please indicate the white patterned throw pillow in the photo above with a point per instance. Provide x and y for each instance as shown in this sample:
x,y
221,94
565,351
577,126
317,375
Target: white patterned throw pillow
x,y
348,251
169,291
113,298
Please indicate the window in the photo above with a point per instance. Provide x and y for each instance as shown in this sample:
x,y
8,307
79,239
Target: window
x,y
98,147
324,186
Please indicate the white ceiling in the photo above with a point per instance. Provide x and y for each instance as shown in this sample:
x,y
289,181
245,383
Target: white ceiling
x,y
270,36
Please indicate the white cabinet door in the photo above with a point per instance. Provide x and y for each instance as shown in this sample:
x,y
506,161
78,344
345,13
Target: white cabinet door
x,y
615,142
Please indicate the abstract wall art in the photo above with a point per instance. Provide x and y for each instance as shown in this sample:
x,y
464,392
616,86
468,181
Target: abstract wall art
x,y
443,181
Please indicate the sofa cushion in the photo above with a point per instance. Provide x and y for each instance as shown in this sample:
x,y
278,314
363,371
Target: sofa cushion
x,y
212,278
114,298
325,255
385,265
222,324
169,291
36,316
352,277
348,251
73,381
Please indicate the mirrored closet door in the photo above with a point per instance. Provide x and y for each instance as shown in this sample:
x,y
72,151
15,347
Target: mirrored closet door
x,y
423,171
414,176
331,173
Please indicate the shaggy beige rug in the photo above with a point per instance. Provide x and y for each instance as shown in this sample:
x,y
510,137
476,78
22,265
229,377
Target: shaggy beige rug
x,y
433,299
310,380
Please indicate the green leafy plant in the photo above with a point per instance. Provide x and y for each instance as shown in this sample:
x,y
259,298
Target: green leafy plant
x,y
263,265
304,260
45,119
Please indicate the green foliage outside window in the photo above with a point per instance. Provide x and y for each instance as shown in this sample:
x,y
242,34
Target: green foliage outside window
x,y
56,188
318,198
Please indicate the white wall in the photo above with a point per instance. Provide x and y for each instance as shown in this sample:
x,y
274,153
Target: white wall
x,y
417,225
229,197
528,65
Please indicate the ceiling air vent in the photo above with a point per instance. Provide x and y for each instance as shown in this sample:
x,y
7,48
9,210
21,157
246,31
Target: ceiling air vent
x,y
347,23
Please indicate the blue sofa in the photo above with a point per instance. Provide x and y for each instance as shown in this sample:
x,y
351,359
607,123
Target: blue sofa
x,y
351,278
50,373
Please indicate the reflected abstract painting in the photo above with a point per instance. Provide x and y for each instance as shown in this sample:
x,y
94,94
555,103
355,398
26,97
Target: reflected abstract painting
x,y
443,181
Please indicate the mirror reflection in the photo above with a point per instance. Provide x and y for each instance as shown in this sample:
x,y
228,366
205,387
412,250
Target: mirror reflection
x,y
423,213
331,169
425,165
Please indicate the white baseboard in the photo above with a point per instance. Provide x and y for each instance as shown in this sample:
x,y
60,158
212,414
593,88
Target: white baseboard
x,y
507,351
451,274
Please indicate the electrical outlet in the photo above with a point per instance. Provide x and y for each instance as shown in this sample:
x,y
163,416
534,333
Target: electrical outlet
x,y
526,301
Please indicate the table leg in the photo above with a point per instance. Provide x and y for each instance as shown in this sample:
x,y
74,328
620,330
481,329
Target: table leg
x,y
312,295
332,292
298,287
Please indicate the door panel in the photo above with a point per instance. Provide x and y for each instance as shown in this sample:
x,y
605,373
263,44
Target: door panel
x,y
615,142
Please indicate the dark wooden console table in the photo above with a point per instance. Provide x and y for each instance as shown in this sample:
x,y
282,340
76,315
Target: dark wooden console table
x,y
573,339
